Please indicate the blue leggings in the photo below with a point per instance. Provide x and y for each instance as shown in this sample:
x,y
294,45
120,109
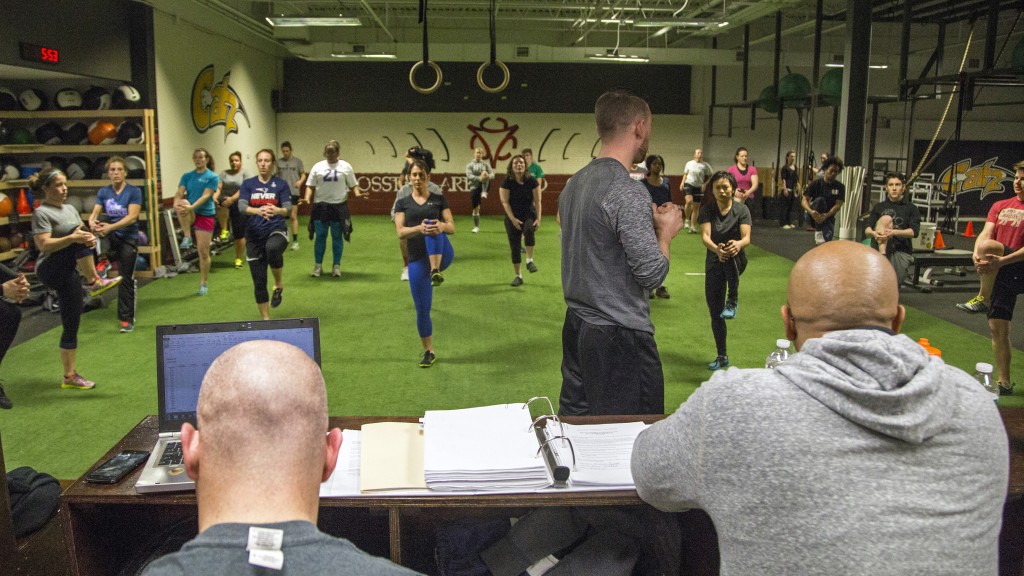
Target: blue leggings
x,y
419,280
320,227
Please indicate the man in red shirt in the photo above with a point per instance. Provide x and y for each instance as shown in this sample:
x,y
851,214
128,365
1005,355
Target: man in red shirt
x,y
999,258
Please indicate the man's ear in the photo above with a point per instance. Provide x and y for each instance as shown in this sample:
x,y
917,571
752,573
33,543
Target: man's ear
x,y
190,451
331,448
897,322
789,323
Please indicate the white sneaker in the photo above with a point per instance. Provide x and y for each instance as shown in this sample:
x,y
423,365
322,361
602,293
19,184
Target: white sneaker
x,y
475,229
336,271
295,245
405,274
317,270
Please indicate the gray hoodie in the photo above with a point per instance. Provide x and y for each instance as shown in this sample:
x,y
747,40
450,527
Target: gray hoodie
x,y
860,455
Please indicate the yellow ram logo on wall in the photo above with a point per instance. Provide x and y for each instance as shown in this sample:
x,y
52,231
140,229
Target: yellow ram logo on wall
x,y
216,104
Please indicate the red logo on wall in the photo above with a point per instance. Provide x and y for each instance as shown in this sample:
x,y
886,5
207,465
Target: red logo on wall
x,y
484,134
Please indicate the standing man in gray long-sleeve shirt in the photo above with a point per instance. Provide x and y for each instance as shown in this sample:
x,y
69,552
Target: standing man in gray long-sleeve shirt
x,y
615,250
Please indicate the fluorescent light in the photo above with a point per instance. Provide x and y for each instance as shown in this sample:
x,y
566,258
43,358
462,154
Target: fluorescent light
x,y
873,66
303,21
618,58
361,56
677,23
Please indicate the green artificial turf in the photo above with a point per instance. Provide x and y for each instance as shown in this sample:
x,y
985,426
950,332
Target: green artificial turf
x,y
494,343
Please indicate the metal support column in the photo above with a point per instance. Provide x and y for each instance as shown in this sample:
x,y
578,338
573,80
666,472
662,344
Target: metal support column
x,y
853,109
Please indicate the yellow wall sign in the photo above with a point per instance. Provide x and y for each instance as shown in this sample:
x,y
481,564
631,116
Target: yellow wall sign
x,y
216,104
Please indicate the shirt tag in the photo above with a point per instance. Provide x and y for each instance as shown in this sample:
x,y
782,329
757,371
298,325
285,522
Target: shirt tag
x,y
541,566
264,538
273,559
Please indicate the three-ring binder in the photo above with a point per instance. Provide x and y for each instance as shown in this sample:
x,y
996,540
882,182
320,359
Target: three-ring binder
x,y
560,472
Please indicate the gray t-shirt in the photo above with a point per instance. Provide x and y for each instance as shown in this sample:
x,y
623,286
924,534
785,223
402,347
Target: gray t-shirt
x,y
290,170
221,550
56,221
473,171
610,254
230,183
696,173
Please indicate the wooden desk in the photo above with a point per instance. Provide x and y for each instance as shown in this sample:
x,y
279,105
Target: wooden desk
x,y
105,525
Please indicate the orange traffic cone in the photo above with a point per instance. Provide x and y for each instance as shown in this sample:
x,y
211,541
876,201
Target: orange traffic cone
x,y
939,244
23,207
969,231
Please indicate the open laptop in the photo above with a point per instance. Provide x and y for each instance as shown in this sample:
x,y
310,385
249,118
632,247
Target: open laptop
x,y
183,354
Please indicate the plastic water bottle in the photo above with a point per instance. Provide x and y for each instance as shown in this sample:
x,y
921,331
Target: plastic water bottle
x,y
984,375
779,355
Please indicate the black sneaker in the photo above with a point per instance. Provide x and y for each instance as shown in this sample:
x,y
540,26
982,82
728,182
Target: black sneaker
x,y
428,359
1003,390
517,281
5,402
436,278
275,300
531,267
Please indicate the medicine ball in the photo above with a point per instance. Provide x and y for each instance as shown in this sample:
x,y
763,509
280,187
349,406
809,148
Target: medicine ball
x,y
9,170
130,132
88,203
96,98
6,206
79,168
68,99
99,168
75,133
33,100
56,162
135,166
8,100
49,133
126,96
21,135
102,132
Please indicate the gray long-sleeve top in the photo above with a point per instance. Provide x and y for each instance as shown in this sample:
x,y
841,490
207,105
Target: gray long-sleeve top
x,y
610,254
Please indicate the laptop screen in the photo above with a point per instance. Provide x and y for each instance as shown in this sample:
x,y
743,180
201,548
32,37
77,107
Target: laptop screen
x,y
185,351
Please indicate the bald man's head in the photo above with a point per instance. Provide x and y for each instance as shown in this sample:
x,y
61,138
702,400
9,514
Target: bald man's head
x,y
842,285
262,402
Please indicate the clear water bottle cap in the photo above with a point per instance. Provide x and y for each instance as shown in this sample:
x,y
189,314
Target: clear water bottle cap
x,y
782,343
983,367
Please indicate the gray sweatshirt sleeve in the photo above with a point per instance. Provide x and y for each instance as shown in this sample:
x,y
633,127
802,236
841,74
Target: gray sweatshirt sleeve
x,y
668,457
631,217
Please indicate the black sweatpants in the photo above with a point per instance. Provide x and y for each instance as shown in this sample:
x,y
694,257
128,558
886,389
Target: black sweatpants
x,y
608,369
10,317
59,272
125,251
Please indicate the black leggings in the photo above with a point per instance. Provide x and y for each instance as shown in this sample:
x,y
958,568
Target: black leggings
x,y
10,317
515,237
717,278
125,252
262,254
59,273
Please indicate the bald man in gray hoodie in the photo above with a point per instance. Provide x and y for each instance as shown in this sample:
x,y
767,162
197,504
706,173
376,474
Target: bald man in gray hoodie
x,y
861,454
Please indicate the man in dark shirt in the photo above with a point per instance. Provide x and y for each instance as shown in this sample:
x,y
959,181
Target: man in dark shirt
x,y
895,222
823,198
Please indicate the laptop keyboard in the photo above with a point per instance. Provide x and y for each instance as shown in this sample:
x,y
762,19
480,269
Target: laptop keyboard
x,y
171,455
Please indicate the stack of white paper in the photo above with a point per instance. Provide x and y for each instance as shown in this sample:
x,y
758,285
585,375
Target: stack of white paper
x,y
603,452
485,448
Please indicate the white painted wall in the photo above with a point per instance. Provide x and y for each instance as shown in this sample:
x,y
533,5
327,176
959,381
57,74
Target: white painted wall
x,y
364,138
183,50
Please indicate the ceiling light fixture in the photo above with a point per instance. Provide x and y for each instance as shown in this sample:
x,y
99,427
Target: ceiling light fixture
x,y
678,23
304,21
618,58
380,56
872,66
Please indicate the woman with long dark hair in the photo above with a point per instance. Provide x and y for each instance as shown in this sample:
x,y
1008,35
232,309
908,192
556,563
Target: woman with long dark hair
x,y
745,175
660,189
65,248
725,231
194,204
520,197
266,200
425,221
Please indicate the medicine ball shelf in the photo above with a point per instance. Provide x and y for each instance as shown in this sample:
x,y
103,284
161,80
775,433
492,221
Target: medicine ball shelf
x,y
34,153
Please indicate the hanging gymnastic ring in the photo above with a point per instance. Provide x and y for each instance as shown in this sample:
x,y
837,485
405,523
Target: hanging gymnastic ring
x,y
434,67
480,77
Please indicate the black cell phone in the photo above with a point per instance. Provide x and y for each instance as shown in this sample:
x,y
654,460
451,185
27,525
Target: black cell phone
x,y
117,467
